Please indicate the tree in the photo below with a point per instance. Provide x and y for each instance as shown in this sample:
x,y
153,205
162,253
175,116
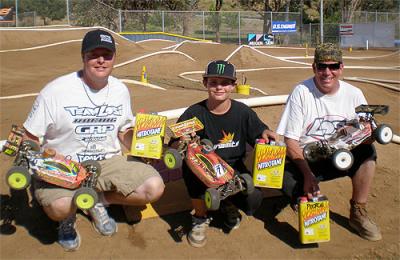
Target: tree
x,y
183,5
218,6
348,9
94,13
264,7
48,9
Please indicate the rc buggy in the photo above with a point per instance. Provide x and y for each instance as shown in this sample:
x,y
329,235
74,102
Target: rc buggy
x,y
348,135
50,167
220,178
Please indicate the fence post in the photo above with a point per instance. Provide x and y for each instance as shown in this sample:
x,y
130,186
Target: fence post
x,y
120,20
321,11
204,33
16,13
271,21
67,5
162,19
239,28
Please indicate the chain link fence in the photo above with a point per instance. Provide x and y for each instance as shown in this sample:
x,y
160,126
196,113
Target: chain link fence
x,y
224,26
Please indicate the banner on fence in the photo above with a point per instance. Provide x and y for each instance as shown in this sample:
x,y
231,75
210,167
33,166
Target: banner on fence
x,y
258,39
283,26
346,29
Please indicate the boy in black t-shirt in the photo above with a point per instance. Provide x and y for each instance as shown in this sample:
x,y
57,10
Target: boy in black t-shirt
x,y
229,124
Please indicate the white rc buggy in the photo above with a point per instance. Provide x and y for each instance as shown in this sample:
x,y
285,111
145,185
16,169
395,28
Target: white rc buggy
x,y
349,134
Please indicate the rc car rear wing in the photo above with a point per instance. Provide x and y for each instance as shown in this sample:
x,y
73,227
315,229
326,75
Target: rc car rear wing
x,y
185,127
373,109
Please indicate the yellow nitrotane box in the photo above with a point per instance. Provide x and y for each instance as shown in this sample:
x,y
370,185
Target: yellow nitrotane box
x,y
314,220
269,163
148,136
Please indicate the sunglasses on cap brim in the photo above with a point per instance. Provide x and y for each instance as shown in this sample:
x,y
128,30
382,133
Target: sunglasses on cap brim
x,y
323,66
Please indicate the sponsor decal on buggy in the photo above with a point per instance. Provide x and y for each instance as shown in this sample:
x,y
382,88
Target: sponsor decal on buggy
x,y
84,157
314,213
149,132
227,141
219,170
99,111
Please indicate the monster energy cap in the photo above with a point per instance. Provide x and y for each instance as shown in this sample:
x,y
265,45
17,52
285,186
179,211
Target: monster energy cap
x,y
98,39
220,69
327,52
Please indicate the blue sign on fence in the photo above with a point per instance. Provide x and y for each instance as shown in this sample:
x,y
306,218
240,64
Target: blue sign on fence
x,y
283,26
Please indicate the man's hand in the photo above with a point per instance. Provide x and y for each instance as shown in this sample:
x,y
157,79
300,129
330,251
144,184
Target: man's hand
x,y
125,138
295,153
310,187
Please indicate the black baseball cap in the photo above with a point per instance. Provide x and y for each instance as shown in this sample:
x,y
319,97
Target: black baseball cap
x,y
98,39
220,69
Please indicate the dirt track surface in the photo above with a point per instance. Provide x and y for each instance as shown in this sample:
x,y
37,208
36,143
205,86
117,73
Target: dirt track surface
x,y
271,234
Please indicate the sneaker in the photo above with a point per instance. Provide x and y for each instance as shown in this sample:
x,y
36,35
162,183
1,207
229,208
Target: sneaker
x,y
101,222
231,214
197,235
68,237
361,223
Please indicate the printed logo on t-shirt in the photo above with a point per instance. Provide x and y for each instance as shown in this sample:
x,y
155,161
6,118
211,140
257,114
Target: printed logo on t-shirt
x,y
323,128
99,111
94,126
226,141
96,157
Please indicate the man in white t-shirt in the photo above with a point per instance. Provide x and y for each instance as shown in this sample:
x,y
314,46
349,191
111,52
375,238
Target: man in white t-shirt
x,y
87,115
315,105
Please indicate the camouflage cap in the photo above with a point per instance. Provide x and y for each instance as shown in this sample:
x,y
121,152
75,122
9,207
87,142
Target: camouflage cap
x,y
327,52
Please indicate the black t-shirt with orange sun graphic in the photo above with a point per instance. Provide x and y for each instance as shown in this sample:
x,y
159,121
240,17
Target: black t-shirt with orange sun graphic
x,y
229,132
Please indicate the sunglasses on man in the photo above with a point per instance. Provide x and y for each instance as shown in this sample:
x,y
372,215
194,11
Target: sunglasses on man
x,y
323,66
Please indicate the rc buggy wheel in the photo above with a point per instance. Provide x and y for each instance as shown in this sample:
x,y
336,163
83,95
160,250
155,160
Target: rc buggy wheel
x,y
248,183
85,198
309,152
342,159
172,159
31,145
208,146
383,134
18,178
92,166
212,199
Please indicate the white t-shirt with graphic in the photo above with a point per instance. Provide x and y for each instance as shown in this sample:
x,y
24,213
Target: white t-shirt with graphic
x,y
310,115
79,122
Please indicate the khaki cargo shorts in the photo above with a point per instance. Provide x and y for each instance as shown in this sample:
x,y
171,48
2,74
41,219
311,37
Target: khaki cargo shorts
x,y
117,174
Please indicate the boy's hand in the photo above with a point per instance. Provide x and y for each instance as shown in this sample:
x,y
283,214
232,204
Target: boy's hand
x,y
269,135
